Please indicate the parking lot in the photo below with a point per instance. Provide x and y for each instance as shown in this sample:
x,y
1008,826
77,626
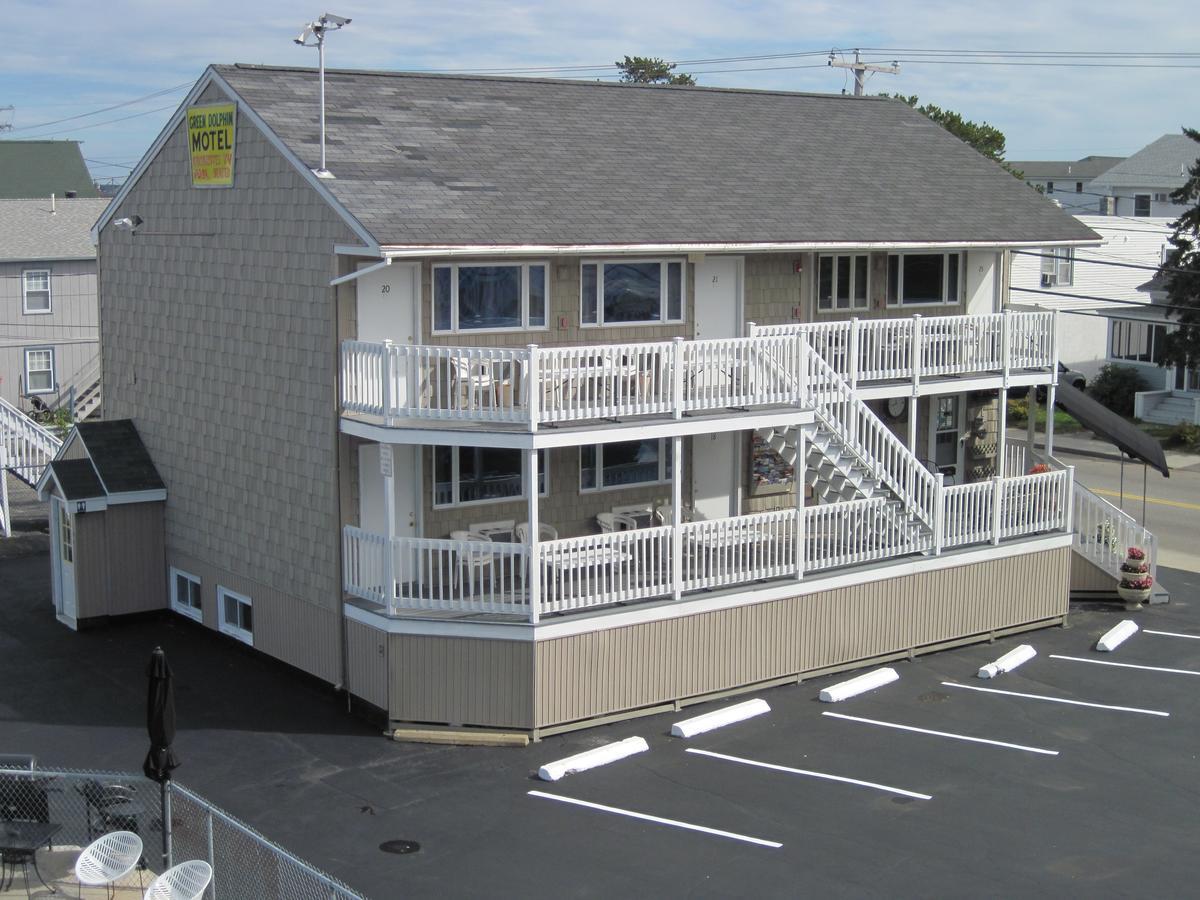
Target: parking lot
x,y
1071,800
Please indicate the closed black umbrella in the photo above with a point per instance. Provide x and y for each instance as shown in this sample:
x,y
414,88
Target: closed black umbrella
x,y
160,723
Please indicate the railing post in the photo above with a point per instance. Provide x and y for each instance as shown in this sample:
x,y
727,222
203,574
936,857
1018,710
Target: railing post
x,y
799,479
534,580
5,518
852,362
750,328
677,516
1005,345
1054,343
1069,510
1050,391
1002,433
997,495
677,352
939,514
387,374
917,352
803,349
533,390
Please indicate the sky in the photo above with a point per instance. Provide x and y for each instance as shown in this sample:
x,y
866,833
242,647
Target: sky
x,y
69,59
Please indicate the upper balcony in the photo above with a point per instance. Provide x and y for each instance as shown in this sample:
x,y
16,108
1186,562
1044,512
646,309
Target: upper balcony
x,y
396,385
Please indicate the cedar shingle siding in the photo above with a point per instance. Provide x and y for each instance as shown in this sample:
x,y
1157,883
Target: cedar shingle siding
x,y
222,351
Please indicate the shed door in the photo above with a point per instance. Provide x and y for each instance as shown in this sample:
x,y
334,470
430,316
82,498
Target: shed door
x,y
63,556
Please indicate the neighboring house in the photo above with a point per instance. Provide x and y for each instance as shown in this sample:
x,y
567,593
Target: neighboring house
x,y
1140,186
1087,290
49,338
1065,181
1138,339
566,400
41,168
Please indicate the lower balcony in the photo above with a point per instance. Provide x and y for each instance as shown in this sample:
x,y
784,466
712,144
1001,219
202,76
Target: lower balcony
x,y
664,562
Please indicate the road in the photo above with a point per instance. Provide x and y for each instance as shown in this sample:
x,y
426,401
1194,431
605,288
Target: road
x,y
1172,504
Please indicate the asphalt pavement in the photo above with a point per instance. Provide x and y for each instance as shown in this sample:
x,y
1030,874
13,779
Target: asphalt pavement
x,y
1112,814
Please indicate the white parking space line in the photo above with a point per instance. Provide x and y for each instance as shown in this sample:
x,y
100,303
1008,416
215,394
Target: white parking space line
x,y
1130,709
675,823
945,734
1103,662
1190,637
764,765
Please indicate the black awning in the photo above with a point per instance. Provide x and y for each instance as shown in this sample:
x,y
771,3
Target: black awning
x,y
1106,424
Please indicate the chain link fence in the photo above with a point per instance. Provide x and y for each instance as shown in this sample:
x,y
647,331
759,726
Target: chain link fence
x,y
58,812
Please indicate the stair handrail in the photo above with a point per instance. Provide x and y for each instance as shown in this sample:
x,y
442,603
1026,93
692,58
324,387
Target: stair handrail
x,y
84,378
1104,532
30,446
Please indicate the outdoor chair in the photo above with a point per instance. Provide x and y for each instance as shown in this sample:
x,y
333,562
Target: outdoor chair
x,y
108,859
472,561
663,512
110,806
615,522
546,532
475,383
186,881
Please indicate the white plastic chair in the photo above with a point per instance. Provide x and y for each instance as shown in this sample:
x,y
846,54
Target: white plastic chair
x,y
616,522
546,532
186,881
476,383
471,561
108,859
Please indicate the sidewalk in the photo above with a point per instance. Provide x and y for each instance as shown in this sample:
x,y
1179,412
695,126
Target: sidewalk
x,y
1084,443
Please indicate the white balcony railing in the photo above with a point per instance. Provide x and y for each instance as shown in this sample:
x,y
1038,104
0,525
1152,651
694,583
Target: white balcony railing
x,y
535,386
863,350
581,573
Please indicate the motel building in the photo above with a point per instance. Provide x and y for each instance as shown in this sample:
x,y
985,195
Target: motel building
x,y
553,402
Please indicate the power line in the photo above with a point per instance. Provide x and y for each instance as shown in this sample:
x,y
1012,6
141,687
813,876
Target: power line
x,y
97,112
1109,300
1104,262
107,121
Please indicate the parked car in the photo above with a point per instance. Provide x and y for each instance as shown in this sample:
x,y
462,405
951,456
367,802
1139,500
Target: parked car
x,y
1075,379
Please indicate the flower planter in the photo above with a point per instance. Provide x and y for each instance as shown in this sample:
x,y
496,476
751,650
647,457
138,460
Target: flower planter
x,y
1133,597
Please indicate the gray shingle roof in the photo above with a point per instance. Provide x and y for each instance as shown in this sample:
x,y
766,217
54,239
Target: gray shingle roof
x,y
1160,164
41,168
77,478
30,231
435,159
1078,169
121,459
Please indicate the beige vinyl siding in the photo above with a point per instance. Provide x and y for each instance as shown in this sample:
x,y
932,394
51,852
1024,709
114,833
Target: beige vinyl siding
x,y
222,350
461,681
70,328
134,547
1087,577
90,566
590,675
367,663
287,627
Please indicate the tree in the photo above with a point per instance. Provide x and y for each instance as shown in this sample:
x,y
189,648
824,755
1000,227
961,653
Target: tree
x,y
1180,272
651,70
987,139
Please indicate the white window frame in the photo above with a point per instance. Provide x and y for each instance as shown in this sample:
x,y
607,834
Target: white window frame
x,y
185,608
855,303
25,293
491,264
898,301
664,469
456,489
1058,266
663,305
53,374
233,629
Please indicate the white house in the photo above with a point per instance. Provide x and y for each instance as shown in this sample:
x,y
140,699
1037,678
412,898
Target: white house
x,y
1065,181
1140,185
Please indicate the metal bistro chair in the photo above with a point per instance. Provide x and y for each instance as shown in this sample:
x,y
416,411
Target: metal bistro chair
x,y
109,806
186,881
471,561
108,859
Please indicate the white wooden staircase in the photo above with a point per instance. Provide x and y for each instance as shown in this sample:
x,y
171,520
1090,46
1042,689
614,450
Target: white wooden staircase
x,y
25,449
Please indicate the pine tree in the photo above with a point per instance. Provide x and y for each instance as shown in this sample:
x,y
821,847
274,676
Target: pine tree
x,y
1180,272
651,70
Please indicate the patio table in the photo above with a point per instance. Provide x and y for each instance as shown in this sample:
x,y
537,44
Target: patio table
x,y
19,843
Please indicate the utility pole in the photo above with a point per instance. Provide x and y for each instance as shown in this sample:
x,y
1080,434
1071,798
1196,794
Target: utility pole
x,y
861,69
6,126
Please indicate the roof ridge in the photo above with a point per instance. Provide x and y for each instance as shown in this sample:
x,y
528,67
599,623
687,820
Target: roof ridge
x,y
565,82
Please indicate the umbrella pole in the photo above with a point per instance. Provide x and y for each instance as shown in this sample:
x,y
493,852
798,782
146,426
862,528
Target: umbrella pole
x,y
166,817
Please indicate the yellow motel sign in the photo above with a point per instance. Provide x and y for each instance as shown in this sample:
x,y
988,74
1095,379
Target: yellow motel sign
x,y
211,140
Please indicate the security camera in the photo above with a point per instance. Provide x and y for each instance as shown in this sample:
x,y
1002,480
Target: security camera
x,y
334,20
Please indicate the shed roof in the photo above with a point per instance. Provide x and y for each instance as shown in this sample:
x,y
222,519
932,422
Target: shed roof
x,y
434,160
77,479
1160,164
121,459
39,230
40,168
